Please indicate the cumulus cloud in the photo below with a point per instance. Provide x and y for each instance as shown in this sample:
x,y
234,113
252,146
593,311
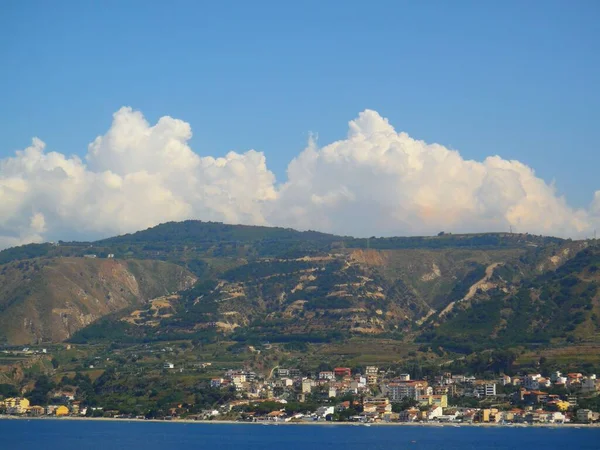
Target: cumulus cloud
x,y
379,181
375,182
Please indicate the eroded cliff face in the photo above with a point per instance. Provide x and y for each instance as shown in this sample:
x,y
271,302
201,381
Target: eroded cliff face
x,y
47,300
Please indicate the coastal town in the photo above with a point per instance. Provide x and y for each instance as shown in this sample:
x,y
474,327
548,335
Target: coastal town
x,y
368,396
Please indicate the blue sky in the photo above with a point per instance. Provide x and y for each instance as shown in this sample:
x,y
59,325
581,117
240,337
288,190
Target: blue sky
x,y
516,79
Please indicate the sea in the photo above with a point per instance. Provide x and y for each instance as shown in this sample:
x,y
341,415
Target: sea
x,y
114,435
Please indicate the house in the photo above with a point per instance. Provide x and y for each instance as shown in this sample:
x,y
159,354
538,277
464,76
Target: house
x,y
589,385
487,415
36,411
324,411
238,379
584,415
168,365
435,400
16,405
371,373
276,416
556,417
326,375
287,382
535,397
62,410
216,382
504,380
485,389
449,415
409,415
408,389
63,396
378,405
531,381
342,372
434,413
307,385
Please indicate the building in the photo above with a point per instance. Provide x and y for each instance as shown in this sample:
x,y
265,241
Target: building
x,y
307,385
62,410
36,411
324,411
435,400
588,385
342,372
168,365
16,405
504,380
378,405
485,389
326,375
584,415
410,389
238,378
372,372
282,372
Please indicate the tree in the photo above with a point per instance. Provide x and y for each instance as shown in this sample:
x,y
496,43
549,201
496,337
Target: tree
x,y
405,404
39,394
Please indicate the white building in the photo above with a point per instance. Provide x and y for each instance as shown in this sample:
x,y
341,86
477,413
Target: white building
x,y
485,389
326,375
324,411
399,391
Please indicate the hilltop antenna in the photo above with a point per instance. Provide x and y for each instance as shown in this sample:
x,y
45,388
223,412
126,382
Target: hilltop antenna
x,y
510,229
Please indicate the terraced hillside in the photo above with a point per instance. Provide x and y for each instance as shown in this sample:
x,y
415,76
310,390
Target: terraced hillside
x,y
267,284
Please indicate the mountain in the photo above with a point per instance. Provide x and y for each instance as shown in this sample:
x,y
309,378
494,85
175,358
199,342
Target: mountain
x,y
47,299
258,284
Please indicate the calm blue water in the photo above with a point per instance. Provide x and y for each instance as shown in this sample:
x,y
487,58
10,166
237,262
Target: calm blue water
x,y
67,435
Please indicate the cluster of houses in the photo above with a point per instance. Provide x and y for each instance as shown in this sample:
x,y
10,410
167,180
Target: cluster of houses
x,y
64,405
375,394
22,406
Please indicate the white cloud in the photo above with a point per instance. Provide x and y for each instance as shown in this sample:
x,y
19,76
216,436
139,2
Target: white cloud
x,y
375,182
378,181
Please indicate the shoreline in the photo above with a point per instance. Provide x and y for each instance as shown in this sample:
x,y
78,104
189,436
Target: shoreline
x,y
309,423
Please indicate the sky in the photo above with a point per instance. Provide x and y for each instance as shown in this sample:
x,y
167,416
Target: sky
x,y
364,118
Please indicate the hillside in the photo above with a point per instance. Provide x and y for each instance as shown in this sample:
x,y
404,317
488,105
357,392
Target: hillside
x,y
46,300
258,284
558,306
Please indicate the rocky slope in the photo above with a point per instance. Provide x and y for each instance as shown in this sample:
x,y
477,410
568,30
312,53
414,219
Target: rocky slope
x,y
43,300
560,305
